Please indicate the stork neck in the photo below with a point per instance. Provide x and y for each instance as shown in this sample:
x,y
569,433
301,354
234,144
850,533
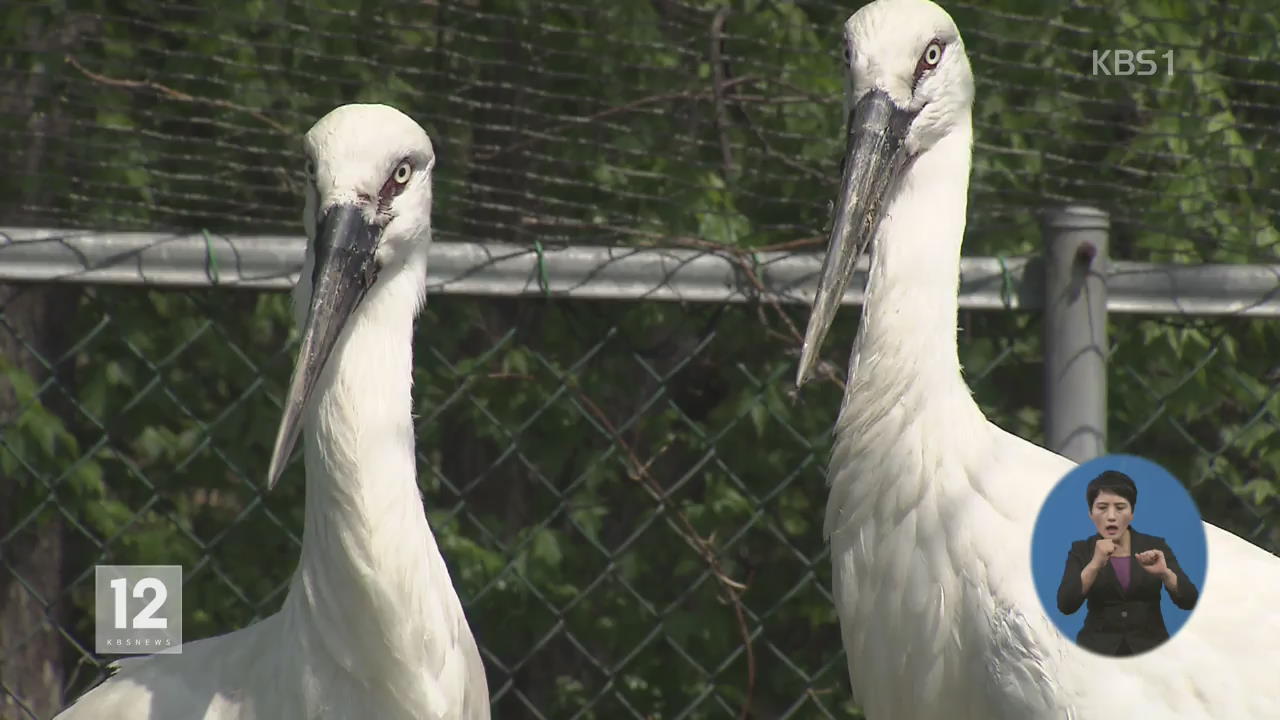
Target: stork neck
x,y
368,555
906,342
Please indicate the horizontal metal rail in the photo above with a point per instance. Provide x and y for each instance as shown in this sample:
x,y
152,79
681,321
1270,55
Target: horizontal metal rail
x,y
272,262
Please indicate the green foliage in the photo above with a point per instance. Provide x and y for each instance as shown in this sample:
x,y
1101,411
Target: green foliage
x,y
583,464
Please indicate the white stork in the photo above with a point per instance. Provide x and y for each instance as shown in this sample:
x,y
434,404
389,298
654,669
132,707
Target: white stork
x,y
371,626
931,506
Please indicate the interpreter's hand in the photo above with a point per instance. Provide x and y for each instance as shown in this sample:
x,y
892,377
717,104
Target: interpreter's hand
x,y
1102,551
1153,562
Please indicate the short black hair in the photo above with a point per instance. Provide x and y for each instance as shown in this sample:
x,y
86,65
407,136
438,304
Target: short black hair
x,y
1113,481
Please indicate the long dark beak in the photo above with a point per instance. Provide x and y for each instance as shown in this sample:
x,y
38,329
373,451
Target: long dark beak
x,y
345,269
874,157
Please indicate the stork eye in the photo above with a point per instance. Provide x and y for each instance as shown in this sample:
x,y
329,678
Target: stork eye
x,y
848,57
928,60
311,170
932,55
396,183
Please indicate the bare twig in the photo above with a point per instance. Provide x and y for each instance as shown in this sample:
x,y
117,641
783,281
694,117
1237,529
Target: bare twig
x,y
174,94
771,99
743,257
810,97
796,244
718,80
746,262
771,152
507,376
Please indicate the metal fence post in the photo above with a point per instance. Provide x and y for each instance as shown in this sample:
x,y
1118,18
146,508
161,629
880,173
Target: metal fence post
x,y
1075,331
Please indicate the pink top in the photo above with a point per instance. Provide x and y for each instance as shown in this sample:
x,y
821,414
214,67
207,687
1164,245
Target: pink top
x,y
1121,566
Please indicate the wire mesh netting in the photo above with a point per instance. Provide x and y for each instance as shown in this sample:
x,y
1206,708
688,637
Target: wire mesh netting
x,y
628,494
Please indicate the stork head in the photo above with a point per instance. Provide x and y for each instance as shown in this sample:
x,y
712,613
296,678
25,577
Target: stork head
x,y
367,219
907,85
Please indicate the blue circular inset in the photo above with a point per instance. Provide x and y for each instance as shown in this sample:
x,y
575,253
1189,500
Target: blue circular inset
x,y
1164,508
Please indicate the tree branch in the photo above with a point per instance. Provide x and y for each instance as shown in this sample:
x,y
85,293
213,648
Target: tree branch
x,y
174,94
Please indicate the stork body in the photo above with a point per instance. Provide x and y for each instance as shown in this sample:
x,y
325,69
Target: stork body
x,y
371,626
931,506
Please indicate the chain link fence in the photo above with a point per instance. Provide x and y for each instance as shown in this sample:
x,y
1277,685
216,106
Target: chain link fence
x,y
625,487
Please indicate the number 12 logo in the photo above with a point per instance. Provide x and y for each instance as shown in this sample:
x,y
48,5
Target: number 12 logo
x,y
143,620
137,609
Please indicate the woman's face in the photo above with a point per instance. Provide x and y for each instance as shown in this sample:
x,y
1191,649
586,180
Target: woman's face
x,y
1111,514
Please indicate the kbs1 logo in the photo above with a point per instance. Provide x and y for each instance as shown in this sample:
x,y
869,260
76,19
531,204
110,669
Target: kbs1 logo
x,y
1131,62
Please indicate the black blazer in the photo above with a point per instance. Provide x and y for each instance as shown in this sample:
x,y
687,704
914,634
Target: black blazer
x,y
1115,614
